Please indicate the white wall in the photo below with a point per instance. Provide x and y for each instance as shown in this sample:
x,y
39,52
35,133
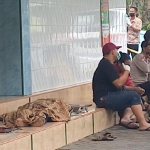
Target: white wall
x,y
65,44
117,15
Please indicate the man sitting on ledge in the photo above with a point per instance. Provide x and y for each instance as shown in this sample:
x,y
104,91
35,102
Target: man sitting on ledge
x,y
107,87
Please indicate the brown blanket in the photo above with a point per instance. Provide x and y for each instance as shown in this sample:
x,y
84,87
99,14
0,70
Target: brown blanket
x,y
34,113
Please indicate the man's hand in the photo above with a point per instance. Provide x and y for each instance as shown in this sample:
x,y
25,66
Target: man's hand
x,y
139,90
126,67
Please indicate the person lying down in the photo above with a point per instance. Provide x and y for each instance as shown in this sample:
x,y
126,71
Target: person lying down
x,y
37,113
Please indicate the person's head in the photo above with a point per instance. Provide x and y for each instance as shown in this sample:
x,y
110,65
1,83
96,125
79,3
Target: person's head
x,y
124,58
147,36
146,49
110,50
133,11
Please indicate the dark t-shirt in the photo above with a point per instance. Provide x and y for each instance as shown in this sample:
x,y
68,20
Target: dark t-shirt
x,y
103,77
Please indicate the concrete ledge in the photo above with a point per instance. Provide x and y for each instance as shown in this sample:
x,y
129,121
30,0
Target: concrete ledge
x,y
103,119
50,138
79,128
22,143
54,135
11,105
38,138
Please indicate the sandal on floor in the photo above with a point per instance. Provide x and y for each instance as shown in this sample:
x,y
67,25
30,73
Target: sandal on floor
x,y
147,129
103,138
109,135
129,125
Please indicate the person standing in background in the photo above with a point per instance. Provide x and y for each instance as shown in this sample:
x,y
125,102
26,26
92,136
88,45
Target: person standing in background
x,y
134,25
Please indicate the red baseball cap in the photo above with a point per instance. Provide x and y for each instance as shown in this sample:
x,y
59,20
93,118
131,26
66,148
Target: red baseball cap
x,y
109,47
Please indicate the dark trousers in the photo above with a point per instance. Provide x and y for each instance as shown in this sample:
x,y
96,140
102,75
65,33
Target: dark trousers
x,y
146,87
119,100
134,47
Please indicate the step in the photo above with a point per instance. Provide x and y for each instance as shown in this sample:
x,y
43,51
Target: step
x,y
8,105
54,135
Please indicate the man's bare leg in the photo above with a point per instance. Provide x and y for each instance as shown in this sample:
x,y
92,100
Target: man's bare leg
x,y
128,113
126,119
137,110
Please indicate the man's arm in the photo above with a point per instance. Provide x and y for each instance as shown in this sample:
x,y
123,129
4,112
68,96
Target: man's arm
x,y
139,90
135,29
112,74
138,26
122,79
141,63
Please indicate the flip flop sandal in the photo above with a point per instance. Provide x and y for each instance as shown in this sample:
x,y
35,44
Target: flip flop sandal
x,y
109,135
127,125
147,129
103,138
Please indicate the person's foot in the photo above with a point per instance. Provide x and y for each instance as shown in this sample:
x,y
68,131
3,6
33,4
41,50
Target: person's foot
x,y
145,127
129,124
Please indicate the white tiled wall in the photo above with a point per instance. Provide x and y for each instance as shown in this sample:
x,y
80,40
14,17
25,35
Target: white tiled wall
x,y
65,44
117,14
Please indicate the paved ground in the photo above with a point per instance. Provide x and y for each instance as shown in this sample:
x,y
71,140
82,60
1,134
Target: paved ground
x,y
127,139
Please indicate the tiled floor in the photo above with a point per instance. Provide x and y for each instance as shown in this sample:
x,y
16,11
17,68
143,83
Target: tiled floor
x,y
127,139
